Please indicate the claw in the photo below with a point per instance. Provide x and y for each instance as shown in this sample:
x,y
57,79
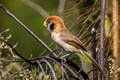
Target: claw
x,y
65,56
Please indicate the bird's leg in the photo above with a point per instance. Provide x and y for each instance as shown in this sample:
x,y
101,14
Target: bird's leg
x,y
63,56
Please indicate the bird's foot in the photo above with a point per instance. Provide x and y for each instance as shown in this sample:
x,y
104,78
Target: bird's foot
x,y
65,57
63,60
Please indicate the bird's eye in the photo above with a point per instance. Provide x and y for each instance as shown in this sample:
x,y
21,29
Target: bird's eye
x,y
50,25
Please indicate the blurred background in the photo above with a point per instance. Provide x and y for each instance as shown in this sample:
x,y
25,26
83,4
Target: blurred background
x,y
27,45
32,13
79,16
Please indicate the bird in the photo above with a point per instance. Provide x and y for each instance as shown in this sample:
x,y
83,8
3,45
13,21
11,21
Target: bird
x,y
62,36
67,41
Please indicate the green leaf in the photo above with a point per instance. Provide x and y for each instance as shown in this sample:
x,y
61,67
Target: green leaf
x,y
85,58
107,26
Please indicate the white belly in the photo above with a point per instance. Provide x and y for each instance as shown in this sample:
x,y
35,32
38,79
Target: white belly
x,y
63,44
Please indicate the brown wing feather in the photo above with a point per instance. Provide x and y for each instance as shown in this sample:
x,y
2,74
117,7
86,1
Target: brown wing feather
x,y
72,40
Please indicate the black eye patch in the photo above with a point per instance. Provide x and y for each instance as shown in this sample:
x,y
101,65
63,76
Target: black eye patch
x,y
50,25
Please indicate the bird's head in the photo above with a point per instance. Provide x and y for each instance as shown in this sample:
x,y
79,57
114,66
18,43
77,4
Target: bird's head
x,y
54,24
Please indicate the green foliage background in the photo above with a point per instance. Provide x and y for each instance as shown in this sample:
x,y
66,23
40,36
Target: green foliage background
x,y
32,19
27,45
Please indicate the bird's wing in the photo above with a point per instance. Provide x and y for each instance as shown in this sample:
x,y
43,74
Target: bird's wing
x,y
72,40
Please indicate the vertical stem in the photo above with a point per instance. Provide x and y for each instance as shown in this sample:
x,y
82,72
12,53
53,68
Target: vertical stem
x,y
93,42
115,30
101,55
61,8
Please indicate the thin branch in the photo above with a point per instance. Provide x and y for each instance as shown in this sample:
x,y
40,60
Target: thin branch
x,y
95,63
37,72
66,75
18,54
40,66
68,62
36,7
93,44
51,68
59,61
26,67
101,55
4,63
80,70
73,73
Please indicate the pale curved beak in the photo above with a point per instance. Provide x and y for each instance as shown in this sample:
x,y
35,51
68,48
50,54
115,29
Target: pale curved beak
x,y
45,24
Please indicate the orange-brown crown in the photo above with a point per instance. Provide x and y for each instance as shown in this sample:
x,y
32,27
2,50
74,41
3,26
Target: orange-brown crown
x,y
55,19
58,23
